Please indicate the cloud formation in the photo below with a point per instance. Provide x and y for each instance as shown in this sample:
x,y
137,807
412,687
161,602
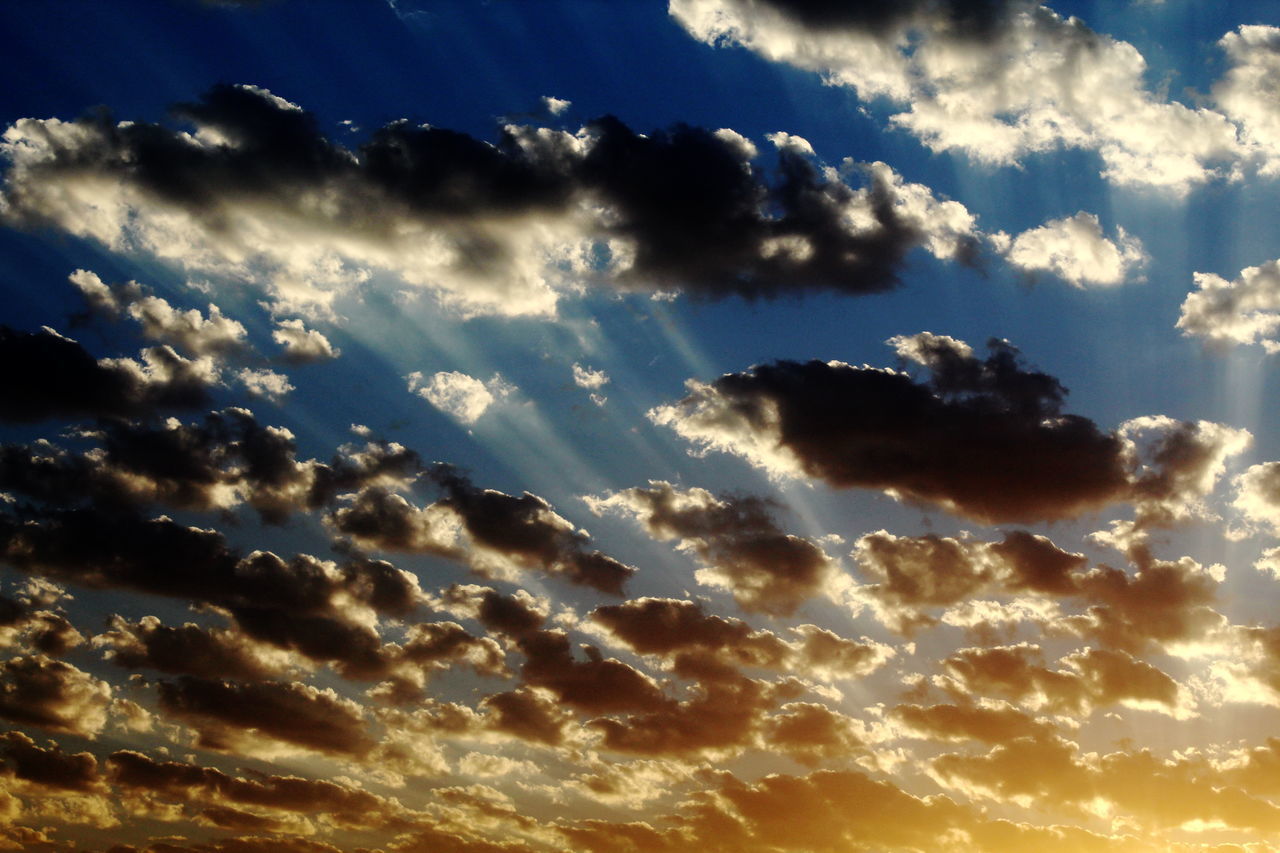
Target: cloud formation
x,y
256,191
748,554
984,438
1074,249
1000,81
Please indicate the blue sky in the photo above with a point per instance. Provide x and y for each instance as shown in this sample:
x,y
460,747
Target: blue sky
x,y
534,427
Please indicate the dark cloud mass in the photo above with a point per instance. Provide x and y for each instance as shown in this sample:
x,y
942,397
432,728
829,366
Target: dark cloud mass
x,y
49,376
228,459
483,527
983,438
763,567
680,208
971,18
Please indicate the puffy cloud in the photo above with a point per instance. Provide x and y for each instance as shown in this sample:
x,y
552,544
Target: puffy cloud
x,y
189,650
913,574
302,345
495,533
1258,497
227,460
676,630
983,438
1074,249
340,805
996,81
232,716
263,382
1167,603
256,191
38,690
48,767
811,733
1246,92
992,722
189,330
28,622
1242,311
597,685
322,610
1093,678
592,380
51,376
765,569
464,397
513,615
1151,793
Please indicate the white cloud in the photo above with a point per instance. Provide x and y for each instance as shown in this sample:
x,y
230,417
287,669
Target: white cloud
x,y
1258,498
1033,81
1247,92
302,344
264,383
1242,311
1074,249
464,397
585,377
555,106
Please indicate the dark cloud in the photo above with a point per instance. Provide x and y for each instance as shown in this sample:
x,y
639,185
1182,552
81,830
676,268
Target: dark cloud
x,y
228,459
498,530
37,690
231,716
682,631
965,722
913,574
531,715
764,568
683,207
185,782
811,733
50,376
319,609
48,767
984,438
596,685
723,713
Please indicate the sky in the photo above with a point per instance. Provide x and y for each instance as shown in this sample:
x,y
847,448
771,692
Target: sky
x,y
734,426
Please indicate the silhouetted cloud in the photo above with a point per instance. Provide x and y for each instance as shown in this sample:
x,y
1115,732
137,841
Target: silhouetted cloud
x,y
749,555
984,438
51,376
493,228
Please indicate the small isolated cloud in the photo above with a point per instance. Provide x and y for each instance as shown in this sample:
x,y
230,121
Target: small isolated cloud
x,y
555,106
303,345
585,377
464,397
1074,249
262,382
1245,310
1247,91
